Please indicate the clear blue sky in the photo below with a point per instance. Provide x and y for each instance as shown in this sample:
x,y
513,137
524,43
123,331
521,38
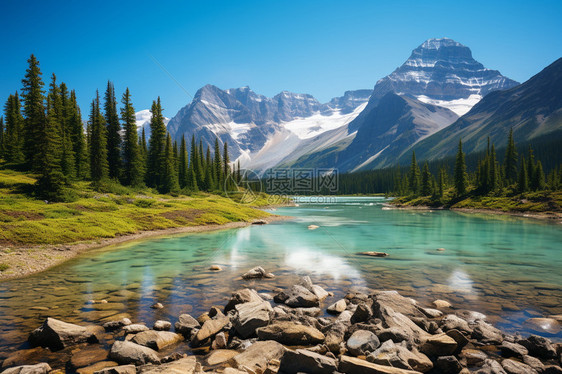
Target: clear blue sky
x,y
317,47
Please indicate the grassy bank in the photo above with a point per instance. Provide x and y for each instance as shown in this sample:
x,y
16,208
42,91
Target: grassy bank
x,y
530,202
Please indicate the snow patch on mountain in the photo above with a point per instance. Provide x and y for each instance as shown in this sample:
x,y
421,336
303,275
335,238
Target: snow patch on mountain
x,y
459,106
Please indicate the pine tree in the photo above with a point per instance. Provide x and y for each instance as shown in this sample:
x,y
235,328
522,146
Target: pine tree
x,y
113,132
77,138
426,189
170,178
1,137
144,147
34,112
460,172
209,181
523,180
196,163
494,171
49,185
133,165
442,177
414,175
183,172
538,178
510,162
156,158
530,168
217,166
58,100
227,171
238,173
98,143
14,133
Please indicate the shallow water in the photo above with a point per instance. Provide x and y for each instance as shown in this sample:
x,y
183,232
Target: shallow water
x,y
505,267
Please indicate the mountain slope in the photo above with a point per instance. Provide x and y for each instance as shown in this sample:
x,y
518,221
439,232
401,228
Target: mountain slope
x,y
532,109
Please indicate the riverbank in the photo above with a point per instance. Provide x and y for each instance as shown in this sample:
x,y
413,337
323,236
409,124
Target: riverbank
x,y
288,329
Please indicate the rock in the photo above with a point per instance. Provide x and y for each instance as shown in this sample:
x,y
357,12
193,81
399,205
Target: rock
x,y
126,352
352,365
209,329
258,355
543,325
394,334
362,342
491,367
335,336
259,222
116,324
396,302
219,356
135,328
162,325
448,364
452,322
439,345
512,350
88,356
255,273
515,367
41,368
313,227
290,333
361,314
96,367
300,297
399,324
157,306
250,316
186,324
432,313
474,357
373,254
539,347
337,307
56,335
302,360
440,249
157,340
442,304
533,362
186,365
320,293
219,342
124,369
215,268
552,369
397,355
459,338
486,333
245,295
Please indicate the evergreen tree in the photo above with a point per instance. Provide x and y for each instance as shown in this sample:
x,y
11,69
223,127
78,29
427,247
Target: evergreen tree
x,y
494,171
426,189
77,138
183,172
133,164
113,132
144,147
226,164
196,163
170,177
442,177
530,168
98,143
510,162
49,185
460,172
14,133
34,112
523,180
538,178
58,102
414,175
217,166
238,173
1,137
156,159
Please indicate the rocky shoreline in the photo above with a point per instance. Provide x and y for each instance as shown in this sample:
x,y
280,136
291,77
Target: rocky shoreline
x,y
289,331
28,260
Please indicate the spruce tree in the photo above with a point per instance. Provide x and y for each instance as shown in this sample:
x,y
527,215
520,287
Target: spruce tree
x,y
183,172
113,132
426,189
58,101
538,178
414,175
156,157
14,134
460,172
77,138
34,113
523,178
133,165
170,178
1,137
217,166
510,162
98,143
442,177
227,171
494,171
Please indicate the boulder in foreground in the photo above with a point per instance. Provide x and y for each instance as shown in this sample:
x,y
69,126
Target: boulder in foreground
x,y
56,335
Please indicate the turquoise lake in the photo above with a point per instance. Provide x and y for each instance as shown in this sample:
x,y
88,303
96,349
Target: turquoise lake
x,y
505,267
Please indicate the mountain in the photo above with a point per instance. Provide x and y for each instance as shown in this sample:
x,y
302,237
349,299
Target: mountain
x,y
442,72
254,124
533,109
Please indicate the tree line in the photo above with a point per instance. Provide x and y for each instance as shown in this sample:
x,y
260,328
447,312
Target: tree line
x,y
42,132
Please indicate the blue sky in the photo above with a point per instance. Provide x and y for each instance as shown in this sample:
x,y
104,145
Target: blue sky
x,y
319,47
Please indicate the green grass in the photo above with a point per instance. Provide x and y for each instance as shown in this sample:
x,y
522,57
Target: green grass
x,y
536,202
4,267
93,215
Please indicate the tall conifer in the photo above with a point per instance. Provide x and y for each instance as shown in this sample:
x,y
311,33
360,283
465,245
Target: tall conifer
x,y
113,132
133,168
460,172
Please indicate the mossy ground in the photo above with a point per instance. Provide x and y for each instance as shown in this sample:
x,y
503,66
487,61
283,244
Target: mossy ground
x,y
534,202
91,215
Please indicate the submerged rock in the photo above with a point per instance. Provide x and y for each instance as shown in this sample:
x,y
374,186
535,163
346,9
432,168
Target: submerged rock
x,y
56,334
162,325
257,273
